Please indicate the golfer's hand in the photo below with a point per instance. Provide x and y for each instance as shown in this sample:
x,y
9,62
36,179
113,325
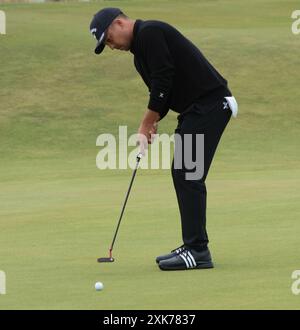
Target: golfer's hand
x,y
147,129
146,135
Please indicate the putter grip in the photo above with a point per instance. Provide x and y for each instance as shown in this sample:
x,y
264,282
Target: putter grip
x,y
139,156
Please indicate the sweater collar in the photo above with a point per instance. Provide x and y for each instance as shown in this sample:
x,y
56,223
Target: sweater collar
x,y
136,29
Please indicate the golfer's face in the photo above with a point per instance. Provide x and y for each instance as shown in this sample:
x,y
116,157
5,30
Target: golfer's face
x,y
117,37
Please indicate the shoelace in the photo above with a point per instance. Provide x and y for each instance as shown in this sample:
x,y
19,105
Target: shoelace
x,y
179,249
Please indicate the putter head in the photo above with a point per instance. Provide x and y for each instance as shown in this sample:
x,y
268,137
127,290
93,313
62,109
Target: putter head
x,y
109,259
106,259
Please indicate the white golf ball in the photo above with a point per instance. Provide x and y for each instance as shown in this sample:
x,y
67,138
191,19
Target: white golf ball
x,y
99,286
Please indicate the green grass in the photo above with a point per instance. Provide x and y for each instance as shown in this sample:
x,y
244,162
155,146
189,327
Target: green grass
x,y
58,211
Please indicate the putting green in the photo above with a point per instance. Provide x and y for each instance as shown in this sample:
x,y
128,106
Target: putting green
x,y
58,211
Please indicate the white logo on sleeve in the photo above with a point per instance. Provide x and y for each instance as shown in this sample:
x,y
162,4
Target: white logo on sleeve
x,y
161,95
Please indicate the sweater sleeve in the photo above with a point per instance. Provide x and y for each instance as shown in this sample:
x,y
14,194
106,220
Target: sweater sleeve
x,y
158,59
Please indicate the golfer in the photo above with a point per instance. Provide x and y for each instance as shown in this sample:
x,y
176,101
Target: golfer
x,y
181,79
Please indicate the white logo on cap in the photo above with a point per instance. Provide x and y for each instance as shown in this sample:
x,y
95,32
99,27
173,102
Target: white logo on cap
x,y
93,32
102,36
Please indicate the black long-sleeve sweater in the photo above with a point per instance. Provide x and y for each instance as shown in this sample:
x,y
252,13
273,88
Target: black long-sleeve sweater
x,y
175,71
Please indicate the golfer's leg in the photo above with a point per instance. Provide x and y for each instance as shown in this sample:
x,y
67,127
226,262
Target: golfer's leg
x,y
191,194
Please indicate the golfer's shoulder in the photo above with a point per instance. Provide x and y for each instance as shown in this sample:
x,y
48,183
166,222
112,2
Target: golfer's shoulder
x,y
152,28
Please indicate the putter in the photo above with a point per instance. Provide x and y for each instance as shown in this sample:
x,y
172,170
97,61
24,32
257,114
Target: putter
x,y
110,258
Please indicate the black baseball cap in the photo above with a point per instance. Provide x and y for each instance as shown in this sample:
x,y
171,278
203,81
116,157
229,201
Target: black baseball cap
x,y
100,22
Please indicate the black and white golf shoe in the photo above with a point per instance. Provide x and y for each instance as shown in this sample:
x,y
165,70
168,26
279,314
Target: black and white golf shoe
x,y
187,259
170,255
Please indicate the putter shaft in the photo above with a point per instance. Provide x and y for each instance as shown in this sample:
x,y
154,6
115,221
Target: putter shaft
x,y
138,158
111,259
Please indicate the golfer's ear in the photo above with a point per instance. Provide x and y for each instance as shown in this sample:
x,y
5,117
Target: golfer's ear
x,y
123,23
119,22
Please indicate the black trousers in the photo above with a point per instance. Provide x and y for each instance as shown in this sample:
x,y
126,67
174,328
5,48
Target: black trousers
x,y
209,120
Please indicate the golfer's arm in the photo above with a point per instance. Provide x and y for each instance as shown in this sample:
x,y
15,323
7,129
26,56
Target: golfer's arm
x,y
150,118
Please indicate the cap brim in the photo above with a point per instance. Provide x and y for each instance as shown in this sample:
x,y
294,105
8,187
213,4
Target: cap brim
x,y
101,44
99,48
